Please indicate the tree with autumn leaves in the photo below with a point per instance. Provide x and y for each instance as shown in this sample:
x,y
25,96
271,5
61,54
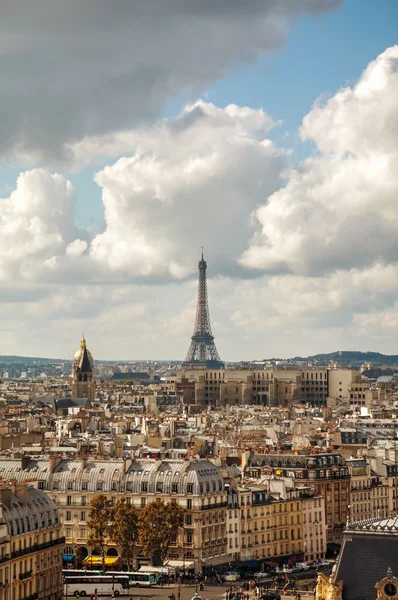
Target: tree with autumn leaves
x,y
159,523
124,529
98,524
155,527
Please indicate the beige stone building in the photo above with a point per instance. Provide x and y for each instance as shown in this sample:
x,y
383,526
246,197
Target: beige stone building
x,y
314,525
269,386
341,381
327,473
31,544
196,485
271,529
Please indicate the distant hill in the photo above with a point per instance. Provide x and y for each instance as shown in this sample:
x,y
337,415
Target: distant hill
x,y
348,357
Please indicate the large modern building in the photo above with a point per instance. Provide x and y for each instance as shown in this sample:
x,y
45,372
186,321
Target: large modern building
x,y
267,387
31,544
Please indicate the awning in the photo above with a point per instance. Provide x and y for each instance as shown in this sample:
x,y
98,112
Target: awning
x,y
96,561
181,564
218,560
68,557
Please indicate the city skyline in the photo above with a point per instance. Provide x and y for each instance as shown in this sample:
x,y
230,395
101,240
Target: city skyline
x,y
267,135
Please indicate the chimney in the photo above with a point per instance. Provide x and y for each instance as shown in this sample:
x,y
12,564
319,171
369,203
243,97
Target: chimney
x,y
54,460
25,462
20,490
127,462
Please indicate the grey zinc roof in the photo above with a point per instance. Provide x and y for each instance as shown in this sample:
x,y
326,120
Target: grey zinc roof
x,y
12,469
388,525
179,472
39,511
364,560
70,474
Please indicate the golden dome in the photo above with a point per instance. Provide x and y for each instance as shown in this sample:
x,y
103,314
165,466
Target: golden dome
x,y
77,359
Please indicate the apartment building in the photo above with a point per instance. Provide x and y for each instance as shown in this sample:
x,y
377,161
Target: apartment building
x,y
197,485
327,473
314,524
31,544
233,522
271,528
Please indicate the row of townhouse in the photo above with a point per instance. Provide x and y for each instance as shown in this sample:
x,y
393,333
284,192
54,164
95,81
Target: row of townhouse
x,y
222,519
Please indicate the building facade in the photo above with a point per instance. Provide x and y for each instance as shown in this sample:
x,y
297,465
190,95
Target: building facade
x,y
328,474
271,529
196,485
31,544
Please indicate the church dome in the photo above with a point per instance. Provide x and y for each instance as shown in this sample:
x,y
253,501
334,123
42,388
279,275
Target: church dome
x,y
82,356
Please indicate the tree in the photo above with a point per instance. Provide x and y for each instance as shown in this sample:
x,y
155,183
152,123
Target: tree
x,y
124,528
159,523
98,524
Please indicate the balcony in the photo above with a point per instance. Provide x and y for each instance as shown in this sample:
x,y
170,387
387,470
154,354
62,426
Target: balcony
x,y
213,506
25,575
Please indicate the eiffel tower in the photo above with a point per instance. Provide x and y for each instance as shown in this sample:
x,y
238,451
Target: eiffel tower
x,y
202,352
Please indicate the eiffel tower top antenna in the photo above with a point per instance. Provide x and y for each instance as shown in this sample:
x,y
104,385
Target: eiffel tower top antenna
x,y
202,351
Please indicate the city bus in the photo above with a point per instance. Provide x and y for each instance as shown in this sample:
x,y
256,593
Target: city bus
x,y
102,585
79,573
137,579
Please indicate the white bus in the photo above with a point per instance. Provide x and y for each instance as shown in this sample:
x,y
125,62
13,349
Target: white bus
x,y
79,573
136,579
102,585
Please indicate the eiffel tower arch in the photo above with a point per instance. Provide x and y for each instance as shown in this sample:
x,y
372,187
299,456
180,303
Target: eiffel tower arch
x,y
202,351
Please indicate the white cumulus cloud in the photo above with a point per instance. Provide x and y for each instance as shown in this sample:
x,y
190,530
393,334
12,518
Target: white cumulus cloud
x,y
192,182
339,210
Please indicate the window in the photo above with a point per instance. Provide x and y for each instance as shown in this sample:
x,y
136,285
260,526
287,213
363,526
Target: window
x,y
189,504
83,515
174,488
69,500
189,537
190,488
68,515
99,485
84,500
144,486
84,485
143,502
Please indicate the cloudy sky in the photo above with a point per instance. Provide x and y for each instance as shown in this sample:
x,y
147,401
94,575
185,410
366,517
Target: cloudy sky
x,y
133,133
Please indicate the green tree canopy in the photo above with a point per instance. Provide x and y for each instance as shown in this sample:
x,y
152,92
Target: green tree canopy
x,y
159,523
124,528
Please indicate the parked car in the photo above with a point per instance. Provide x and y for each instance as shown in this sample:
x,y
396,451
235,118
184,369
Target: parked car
x,y
260,575
302,566
231,576
323,563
